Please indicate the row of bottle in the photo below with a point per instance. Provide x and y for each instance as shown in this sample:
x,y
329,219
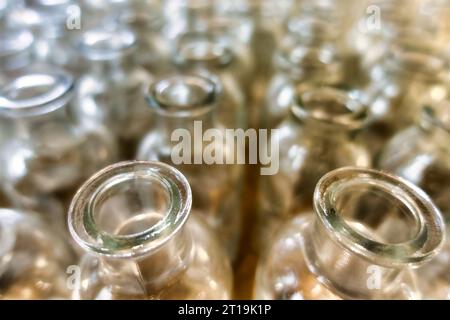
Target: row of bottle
x,y
54,137
373,236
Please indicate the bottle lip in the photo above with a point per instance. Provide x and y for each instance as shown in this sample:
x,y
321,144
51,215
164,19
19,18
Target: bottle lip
x,y
331,107
206,48
86,233
183,95
15,48
310,62
423,245
36,93
104,44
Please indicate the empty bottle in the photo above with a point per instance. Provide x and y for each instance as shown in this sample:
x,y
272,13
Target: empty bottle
x,y
421,154
48,152
140,239
317,137
185,115
33,258
369,231
111,91
213,56
298,67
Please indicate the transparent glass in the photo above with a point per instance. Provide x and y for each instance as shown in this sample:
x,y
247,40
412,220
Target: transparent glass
x,y
49,21
412,75
33,258
369,231
111,91
16,52
298,67
317,137
421,154
213,56
47,153
133,219
186,105
153,49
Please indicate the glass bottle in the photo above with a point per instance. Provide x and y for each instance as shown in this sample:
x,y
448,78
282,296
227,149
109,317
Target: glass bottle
x,y
153,49
421,154
111,92
184,107
141,241
298,66
54,26
33,258
317,137
212,56
48,152
16,52
412,75
369,231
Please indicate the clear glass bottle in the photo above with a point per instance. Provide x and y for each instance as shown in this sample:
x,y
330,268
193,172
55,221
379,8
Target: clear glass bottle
x,y
16,52
317,137
412,75
212,56
48,152
33,258
53,30
369,231
153,49
421,154
188,103
298,67
111,92
141,240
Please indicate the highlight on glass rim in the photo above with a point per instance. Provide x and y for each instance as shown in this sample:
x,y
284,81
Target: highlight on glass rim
x,y
247,150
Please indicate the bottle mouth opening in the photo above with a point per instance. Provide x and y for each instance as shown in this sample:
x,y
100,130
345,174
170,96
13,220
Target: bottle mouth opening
x,y
330,106
36,94
129,209
182,95
199,48
379,216
105,45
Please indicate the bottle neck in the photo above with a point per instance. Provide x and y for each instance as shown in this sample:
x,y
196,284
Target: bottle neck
x,y
435,121
370,229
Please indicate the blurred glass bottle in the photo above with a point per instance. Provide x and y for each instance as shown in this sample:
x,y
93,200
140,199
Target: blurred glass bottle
x,y
298,66
54,25
411,75
33,258
16,52
317,137
185,111
111,92
48,152
153,49
213,56
139,240
369,231
421,154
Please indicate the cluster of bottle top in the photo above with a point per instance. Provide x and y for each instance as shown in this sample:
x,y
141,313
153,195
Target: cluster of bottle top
x,y
91,92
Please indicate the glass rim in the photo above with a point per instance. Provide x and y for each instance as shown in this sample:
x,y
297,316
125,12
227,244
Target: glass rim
x,y
90,237
424,245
